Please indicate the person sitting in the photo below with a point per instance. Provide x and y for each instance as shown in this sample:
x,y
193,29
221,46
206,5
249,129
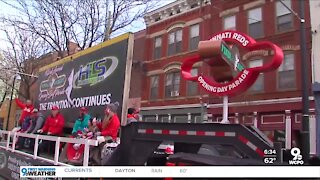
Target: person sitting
x,y
25,127
109,128
26,110
38,121
88,133
131,116
110,125
82,122
53,126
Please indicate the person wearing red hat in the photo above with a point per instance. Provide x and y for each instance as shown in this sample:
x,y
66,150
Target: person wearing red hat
x,y
53,126
27,109
82,122
54,123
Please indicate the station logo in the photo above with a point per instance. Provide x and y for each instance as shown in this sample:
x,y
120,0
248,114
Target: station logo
x,y
297,157
37,172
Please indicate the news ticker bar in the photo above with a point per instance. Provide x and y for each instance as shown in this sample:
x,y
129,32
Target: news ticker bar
x,y
170,171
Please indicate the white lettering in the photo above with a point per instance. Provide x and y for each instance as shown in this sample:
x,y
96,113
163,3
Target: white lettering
x,y
99,100
243,75
82,102
92,100
104,100
235,35
109,98
237,82
240,80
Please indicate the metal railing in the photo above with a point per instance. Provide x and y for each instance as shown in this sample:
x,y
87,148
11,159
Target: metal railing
x,y
86,142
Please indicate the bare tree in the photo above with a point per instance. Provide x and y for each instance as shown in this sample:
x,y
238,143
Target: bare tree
x,y
21,57
4,89
86,22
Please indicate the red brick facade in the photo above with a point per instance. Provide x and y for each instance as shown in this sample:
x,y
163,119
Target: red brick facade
x,y
267,108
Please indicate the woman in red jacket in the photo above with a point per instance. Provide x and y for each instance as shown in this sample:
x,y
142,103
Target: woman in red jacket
x,y
27,109
109,128
111,124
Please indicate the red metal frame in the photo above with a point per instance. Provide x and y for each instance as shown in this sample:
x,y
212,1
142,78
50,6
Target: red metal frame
x,y
250,74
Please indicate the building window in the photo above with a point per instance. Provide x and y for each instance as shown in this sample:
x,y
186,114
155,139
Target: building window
x,y
172,84
284,16
287,78
229,23
154,87
150,119
165,119
192,87
180,119
175,42
259,84
197,119
157,48
194,37
255,23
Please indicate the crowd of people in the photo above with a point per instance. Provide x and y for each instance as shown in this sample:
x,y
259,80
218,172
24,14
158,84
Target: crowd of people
x,y
85,126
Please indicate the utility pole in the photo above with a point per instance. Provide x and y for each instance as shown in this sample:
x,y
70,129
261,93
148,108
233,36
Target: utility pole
x,y
305,133
305,81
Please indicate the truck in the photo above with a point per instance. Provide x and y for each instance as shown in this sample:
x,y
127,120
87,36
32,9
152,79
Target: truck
x,y
100,75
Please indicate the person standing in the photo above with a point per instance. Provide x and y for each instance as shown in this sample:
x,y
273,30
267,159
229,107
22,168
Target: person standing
x,y
131,116
82,122
27,109
54,127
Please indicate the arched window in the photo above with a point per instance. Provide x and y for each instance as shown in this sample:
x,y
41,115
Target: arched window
x,y
175,41
172,84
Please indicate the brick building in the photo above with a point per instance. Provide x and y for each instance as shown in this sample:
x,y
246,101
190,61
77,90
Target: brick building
x,y
32,66
172,33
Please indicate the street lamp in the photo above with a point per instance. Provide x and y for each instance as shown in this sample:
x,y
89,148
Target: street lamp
x,y
11,96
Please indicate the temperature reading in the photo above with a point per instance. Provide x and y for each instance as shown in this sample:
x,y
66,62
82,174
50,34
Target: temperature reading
x,y
183,170
269,160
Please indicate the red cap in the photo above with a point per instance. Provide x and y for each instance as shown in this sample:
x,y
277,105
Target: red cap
x,y
83,109
55,108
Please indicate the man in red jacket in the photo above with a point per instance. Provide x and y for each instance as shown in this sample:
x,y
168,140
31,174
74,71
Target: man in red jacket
x,y
53,126
54,123
27,109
